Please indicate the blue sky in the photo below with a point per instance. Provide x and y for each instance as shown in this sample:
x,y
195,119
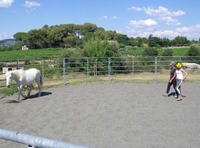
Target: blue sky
x,y
135,18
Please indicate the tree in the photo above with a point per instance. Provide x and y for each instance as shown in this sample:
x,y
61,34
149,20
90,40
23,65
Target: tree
x,y
20,36
139,43
70,41
37,39
180,41
100,48
124,39
154,41
88,27
166,42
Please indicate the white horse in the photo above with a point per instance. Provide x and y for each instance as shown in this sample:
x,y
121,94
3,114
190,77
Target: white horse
x,y
24,78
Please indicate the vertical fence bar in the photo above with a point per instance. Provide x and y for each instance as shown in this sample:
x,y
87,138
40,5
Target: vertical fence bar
x,y
95,66
156,67
109,69
17,64
133,63
87,67
64,72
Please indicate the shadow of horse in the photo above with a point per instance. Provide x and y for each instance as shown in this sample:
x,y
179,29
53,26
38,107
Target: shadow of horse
x,y
36,95
30,97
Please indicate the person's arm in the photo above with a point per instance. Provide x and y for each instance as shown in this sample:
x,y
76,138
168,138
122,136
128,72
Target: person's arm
x,y
174,76
185,73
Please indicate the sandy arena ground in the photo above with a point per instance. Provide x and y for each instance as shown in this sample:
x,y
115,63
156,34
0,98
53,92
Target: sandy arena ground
x,y
107,115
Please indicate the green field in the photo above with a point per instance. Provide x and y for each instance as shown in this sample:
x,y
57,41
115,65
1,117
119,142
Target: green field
x,y
30,54
55,52
139,51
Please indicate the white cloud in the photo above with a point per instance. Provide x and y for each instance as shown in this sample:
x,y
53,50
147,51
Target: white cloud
x,y
184,29
29,4
135,9
169,20
105,17
150,23
192,32
145,33
178,13
6,3
162,11
166,33
115,18
30,10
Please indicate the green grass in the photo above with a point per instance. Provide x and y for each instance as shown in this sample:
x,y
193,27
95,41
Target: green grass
x,y
139,51
134,52
30,54
8,91
180,51
55,52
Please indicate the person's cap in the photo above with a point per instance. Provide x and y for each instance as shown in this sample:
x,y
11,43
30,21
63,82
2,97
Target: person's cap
x,y
172,63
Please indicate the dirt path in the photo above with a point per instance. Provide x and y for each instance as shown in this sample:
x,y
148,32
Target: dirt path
x,y
107,115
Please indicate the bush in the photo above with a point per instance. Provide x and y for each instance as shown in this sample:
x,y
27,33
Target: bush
x,y
167,52
193,51
150,52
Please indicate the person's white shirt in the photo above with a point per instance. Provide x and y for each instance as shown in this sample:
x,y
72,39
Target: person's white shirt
x,y
179,74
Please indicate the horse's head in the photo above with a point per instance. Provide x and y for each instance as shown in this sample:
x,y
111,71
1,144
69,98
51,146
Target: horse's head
x,y
9,77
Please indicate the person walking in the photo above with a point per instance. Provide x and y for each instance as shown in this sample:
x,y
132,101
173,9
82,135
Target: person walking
x,y
180,75
173,82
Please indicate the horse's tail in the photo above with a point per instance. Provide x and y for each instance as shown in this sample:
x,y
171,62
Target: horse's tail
x,y
41,82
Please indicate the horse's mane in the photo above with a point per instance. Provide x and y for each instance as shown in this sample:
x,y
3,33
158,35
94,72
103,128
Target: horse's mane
x,y
18,74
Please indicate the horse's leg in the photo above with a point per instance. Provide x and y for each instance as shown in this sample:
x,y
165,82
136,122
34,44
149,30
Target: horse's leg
x,y
30,88
19,92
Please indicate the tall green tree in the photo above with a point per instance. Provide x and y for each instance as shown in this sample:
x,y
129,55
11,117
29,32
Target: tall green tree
x,y
180,41
100,48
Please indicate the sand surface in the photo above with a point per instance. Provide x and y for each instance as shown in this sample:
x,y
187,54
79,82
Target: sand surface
x,y
107,115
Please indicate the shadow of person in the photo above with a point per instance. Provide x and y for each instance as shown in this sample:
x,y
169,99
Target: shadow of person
x,y
172,94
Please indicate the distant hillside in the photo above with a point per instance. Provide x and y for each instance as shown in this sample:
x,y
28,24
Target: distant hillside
x,y
8,42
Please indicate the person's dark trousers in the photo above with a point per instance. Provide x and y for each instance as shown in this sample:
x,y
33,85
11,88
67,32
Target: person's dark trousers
x,y
174,86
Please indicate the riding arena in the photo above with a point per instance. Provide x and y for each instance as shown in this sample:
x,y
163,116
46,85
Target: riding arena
x,y
107,115
123,110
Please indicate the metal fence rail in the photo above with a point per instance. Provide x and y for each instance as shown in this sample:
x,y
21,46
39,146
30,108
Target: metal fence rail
x,y
34,141
72,68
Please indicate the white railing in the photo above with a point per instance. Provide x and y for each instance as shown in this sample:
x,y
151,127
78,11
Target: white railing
x,y
34,141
